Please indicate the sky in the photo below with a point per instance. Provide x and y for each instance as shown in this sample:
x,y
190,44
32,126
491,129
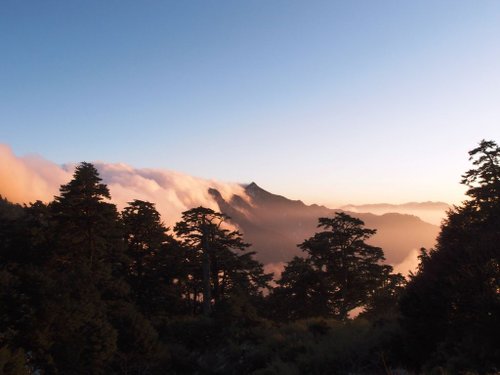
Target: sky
x,y
331,102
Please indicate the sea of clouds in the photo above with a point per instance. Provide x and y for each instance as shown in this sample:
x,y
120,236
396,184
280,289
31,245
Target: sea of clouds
x,y
29,178
25,179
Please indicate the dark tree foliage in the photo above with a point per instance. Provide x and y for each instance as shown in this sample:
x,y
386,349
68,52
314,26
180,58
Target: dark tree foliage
x,y
86,290
86,263
383,302
156,270
64,297
213,255
301,292
145,234
12,362
87,226
483,181
340,272
451,306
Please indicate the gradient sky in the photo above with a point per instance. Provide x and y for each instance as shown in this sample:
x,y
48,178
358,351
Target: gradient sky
x,y
325,101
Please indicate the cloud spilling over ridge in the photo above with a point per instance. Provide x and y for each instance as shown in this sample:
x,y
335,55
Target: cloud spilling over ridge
x,y
172,192
30,178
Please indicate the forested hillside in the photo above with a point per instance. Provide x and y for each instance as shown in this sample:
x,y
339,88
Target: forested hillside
x,y
88,289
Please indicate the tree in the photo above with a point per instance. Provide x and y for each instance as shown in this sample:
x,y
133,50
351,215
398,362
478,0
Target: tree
x,y
210,244
64,302
156,269
383,303
87,265
301,292
484,180
341,270
87,226
57,277
451,306
145,235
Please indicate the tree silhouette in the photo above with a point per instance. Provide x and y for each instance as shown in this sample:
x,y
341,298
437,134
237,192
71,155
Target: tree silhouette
x,y
156,260
145,235
341,271
87,226
301,292
451,306
484,180
205,235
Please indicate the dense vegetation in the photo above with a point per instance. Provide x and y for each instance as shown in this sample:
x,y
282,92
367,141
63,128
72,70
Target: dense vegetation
x,y
85,289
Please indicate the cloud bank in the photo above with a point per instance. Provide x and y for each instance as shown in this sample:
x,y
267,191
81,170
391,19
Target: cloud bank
x,y
30,178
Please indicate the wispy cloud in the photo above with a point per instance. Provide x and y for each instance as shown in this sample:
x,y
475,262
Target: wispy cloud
x,y
26,179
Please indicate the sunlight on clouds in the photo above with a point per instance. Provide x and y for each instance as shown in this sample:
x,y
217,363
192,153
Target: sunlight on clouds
x,y
26,179
409,264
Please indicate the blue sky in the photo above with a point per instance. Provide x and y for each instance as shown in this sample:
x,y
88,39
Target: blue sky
x,y
326,101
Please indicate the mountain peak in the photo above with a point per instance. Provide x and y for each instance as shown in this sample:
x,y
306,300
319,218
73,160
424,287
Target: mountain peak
x,y
252,185
255,190
260,196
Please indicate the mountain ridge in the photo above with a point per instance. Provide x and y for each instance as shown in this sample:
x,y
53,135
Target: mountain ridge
x,y
275,225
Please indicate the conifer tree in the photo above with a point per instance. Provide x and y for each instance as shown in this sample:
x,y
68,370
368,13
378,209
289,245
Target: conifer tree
x,y
451,306
214,249
87,225
156,270
87,264
341,271
145,234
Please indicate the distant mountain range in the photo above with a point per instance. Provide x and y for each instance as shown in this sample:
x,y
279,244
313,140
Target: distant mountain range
x,y
274,225
432,212
405,206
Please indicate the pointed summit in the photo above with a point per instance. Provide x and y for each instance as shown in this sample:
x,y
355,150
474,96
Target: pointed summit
x,y
252,185
255,190
263,197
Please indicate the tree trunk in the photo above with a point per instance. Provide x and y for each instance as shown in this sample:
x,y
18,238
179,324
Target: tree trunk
x,y
207,295
207,288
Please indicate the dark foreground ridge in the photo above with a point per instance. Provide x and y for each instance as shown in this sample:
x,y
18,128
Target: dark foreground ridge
x,y
86,289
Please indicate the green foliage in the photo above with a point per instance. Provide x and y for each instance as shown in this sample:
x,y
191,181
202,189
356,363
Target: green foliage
x,y
85,290
451,306
314,346
87,228
484,180
212,254
301,292
383,303
341,272
12,362
154,259
59,276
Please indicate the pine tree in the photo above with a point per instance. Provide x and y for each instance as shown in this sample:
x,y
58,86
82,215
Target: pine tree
x,y
156,270
87,265
87,225
451,306
214,249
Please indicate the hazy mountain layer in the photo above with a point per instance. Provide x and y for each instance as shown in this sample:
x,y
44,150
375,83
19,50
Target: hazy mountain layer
x,y
432,212
274,225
